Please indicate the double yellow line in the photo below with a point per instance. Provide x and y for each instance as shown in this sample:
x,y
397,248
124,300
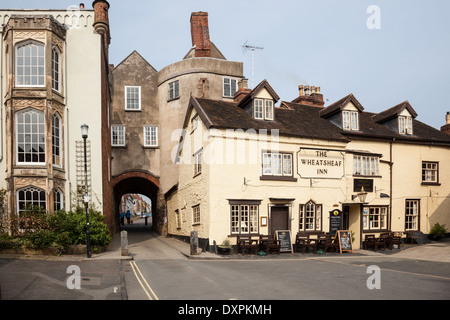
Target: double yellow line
x,y
144,284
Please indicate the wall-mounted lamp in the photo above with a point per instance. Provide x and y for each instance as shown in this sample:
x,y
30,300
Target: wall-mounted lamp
x,y
361,196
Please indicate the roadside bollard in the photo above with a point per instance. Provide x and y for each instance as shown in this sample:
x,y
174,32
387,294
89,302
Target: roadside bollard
x,y
194,242
124,243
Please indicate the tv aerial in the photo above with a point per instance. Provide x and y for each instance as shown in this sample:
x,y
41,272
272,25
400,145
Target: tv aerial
x,y
247,47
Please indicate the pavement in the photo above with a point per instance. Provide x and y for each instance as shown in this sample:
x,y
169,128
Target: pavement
x,y
142,243
140,238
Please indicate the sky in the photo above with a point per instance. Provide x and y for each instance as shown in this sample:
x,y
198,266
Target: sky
x,y
382,51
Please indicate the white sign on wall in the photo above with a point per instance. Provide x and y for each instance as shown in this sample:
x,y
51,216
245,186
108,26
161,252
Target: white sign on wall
x,y
316,163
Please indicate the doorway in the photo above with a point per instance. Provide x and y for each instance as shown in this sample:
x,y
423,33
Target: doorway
x,y
279,218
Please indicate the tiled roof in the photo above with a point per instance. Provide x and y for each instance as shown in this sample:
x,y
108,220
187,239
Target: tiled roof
x,y
393,112
292,119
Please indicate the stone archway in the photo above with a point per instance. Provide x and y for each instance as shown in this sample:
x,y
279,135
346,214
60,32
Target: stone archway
x,y
140,182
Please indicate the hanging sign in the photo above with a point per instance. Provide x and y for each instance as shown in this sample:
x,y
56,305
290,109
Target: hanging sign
x,y
322,164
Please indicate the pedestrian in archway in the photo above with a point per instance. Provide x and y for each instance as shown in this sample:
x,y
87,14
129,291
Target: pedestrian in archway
x,y
128,216
122,218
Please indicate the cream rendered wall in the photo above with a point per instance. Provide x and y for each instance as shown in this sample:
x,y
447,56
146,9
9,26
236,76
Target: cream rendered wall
x,y
83,104
192,189
407,181
434,199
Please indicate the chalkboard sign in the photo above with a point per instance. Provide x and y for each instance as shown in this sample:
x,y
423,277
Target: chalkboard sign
x,y
285,240
345,240
335,221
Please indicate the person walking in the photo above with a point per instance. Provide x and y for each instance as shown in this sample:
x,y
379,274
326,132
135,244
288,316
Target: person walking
x,y
128,216
122,218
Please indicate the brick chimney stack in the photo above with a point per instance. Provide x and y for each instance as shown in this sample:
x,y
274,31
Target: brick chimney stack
x,y
242,91
200,34
313,99
101,20
446,128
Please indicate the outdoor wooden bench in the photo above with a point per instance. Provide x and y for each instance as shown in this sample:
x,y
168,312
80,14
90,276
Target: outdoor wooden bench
x,y
303,241
269,243
246,242
370,241
329,243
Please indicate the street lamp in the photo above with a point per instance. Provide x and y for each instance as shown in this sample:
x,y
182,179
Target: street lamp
x,y
84,134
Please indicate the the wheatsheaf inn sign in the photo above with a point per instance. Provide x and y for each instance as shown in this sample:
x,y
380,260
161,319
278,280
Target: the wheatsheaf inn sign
x,y
318,163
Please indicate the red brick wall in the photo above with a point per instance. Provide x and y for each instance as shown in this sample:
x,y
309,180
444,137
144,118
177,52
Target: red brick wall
x,y
200,34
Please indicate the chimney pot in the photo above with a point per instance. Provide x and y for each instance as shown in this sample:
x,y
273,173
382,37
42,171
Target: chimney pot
x,y
447,118
313,89
307,90
300,89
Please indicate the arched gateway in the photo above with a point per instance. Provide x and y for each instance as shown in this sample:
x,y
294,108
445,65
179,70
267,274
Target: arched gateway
x,y
140,182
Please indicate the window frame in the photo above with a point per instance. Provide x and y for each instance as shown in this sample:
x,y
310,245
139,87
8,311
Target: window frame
x,y
198,162
316,219
282,157
40,135
382,223
232,83
40,76
58,202
261,111
173,90
118,144
366,166
32,189
405,125
196,215
244,213
412,218
350,120
148,130
127,99
58,147
57,71
426,171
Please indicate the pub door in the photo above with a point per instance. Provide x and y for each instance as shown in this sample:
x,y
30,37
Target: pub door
x,y
279,219
345,213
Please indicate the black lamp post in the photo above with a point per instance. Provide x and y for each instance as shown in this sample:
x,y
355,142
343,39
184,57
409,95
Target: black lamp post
x,y
84,134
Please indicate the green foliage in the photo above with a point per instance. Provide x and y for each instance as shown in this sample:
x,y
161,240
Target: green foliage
x,y
35,229
438,230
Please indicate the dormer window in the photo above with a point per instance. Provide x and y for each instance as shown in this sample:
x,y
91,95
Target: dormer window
x,y
405,125
263,109
350,120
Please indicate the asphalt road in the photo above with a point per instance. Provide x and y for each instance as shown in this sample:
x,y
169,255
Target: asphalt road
x,y
297,279
158,271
